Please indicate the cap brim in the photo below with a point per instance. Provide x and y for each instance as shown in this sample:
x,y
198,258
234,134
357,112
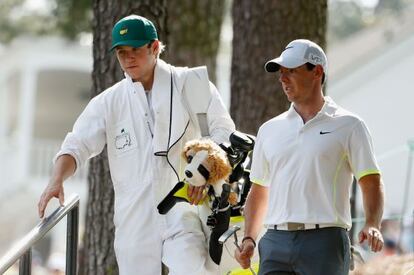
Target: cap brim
x,y
273,65
131,43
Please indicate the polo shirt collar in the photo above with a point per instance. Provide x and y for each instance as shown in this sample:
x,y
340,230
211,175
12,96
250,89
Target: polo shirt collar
x,y
291,112
329,108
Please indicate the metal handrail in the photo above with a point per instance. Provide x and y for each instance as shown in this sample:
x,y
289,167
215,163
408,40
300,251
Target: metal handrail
x,y
22,249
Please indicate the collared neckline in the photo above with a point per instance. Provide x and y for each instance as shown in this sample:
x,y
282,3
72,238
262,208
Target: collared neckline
x,y
329,108
136,85
160,65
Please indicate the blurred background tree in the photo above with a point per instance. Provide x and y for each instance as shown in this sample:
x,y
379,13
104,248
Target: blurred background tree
x,y
259,35
346,18
16,21
73,17
395,6
67,18
194,28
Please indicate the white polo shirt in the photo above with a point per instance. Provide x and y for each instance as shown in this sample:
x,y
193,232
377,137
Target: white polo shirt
x,y
309,167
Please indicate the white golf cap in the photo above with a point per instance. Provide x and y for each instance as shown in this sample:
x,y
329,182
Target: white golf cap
x,y
297,53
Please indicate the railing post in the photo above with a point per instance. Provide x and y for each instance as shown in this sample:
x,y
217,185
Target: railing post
x,y
25,264
22,250
72,240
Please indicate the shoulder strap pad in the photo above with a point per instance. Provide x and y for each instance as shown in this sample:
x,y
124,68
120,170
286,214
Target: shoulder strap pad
x,y
197,96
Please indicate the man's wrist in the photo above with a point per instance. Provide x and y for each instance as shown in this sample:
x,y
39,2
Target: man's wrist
x,y
56,179
249,238
373,224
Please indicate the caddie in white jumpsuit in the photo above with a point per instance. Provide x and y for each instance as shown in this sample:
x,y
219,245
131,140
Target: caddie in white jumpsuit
x,y
145,120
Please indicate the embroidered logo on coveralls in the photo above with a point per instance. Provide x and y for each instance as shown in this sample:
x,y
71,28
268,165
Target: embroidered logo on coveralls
x,y
123,140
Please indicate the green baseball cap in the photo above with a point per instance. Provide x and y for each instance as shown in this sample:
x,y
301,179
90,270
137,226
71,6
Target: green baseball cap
x,y
134,31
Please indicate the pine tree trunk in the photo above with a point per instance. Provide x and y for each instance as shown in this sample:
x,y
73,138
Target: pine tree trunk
x,y
97,256
194,28
261,30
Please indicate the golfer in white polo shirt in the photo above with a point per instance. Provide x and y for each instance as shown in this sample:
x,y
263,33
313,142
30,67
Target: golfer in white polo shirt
x,y
303,165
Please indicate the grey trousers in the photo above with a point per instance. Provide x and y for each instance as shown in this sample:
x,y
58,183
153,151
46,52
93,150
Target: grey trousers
x,y
317,251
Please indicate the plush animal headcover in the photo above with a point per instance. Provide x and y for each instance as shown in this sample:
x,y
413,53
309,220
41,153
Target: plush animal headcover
x,y
207,163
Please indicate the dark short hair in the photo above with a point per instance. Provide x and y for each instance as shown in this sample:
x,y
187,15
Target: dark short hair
x,y
310,67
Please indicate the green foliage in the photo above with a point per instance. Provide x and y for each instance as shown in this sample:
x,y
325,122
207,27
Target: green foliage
x,y
73,17
67,17
395,6
344,19
111,271
15,22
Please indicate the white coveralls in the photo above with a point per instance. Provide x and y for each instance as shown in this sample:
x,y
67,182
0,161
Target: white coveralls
x,y
120,118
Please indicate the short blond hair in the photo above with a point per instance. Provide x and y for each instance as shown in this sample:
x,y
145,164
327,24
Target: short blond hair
x,y
161,47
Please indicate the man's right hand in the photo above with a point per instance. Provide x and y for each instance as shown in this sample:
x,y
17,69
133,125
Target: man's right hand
x,y
196,194
53,189
244,255
65,167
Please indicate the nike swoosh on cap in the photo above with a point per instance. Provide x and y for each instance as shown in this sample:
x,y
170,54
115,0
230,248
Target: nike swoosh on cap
x,y
323,132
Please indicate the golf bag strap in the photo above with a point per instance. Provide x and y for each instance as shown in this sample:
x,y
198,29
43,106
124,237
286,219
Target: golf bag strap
x,y
197,97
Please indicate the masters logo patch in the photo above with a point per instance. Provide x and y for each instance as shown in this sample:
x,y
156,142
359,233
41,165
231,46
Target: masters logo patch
x,y
123,140
122,32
